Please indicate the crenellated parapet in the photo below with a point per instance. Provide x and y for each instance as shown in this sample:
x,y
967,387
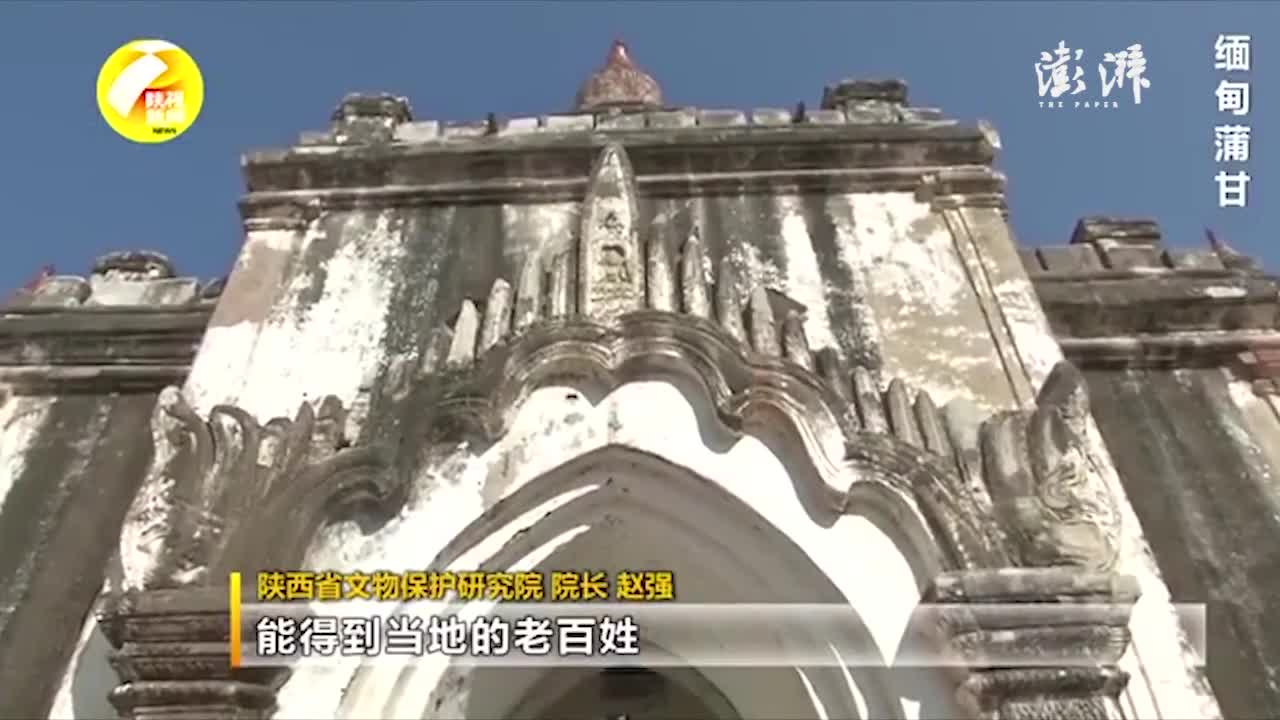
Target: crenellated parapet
x,y
1116,295
677,153
381,118
1118,248
862,137
133,278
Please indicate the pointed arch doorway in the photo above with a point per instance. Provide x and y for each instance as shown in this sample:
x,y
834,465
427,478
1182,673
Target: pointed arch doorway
x,y
630,693
618,507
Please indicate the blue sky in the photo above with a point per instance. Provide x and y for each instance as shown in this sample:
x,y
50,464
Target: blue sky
x,y
73,189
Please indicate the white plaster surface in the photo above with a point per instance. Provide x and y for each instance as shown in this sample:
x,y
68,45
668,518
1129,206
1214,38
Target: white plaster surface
x,y
922,312
20,420
1218,291
301,352
1165,682
143,533
1029,328
908,253
804,281
226,351
931,329
334,341
662,520
1262,434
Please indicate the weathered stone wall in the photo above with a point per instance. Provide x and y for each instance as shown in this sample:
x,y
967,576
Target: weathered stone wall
x,y
80,363
861,235
1175,347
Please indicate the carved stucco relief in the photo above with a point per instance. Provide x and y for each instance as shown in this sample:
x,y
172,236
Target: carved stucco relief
x,y
749,361
624,319
1013,490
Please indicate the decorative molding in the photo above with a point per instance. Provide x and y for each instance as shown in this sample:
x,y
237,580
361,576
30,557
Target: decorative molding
x,y
227,494
173,658
1067,644
867,101
1053,509
1116,296
675,184
99,349
1175,349
1089,308
1016,489
134,265
611,272
805,151
953,188
268,224
629,121
240,496
1057,504
620,98
974,259
287,215
124,279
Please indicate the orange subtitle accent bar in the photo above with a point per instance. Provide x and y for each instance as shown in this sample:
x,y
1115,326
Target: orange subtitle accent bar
x,y
234,601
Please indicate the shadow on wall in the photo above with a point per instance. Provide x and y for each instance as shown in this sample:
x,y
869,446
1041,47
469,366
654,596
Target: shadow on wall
x,y
619,506
647,510
94,679
928,688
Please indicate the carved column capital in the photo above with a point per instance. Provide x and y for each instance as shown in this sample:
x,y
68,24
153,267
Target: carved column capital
x,y
1036,642
173,657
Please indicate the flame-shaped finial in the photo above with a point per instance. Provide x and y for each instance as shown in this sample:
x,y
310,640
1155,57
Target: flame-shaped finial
x,y
619,84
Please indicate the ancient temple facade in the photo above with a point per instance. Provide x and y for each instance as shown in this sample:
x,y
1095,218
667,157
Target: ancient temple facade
x,y
791,355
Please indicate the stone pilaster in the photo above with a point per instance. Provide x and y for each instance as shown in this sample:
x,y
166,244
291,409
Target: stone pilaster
x,y
1034,643
173,656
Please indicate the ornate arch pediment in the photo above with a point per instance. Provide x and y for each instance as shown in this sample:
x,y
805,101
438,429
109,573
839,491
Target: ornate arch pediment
x,y
1012,489
227,493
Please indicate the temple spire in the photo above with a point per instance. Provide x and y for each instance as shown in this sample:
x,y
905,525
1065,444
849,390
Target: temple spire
x,y
619,84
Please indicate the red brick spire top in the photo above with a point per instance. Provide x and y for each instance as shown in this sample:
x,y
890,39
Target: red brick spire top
x,y
620,83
